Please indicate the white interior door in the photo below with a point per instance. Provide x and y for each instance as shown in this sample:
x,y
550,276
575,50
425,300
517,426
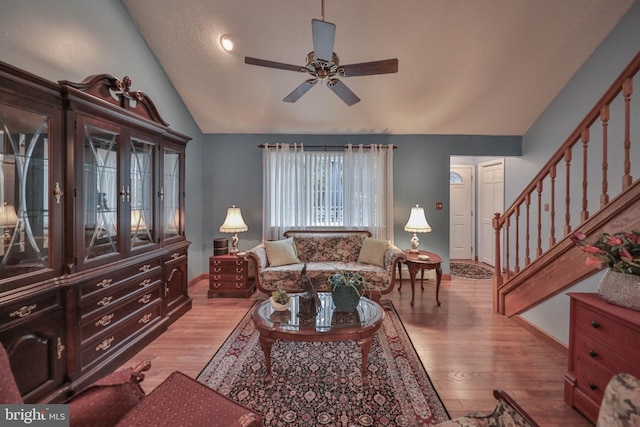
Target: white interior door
x,y
490,201
461,206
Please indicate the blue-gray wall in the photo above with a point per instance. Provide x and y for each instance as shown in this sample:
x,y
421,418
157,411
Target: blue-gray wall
x,y
421,176
72,39
551,129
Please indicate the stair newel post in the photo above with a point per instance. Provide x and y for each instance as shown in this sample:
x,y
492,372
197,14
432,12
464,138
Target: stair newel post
x,y
497,276
584,214
604,118
627,90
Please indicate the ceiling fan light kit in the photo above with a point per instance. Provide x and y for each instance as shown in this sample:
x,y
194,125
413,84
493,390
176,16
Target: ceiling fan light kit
x,y
322,64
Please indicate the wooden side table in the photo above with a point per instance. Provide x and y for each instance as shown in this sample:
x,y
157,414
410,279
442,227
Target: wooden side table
x,y
229,275
414,263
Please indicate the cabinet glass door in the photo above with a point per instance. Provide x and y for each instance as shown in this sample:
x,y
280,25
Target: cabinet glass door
x,y
24,192
141,165
171,193
100,192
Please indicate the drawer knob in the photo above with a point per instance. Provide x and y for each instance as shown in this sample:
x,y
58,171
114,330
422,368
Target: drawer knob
x,y
104,283
595,324
593,353
105,301
23,311
592,386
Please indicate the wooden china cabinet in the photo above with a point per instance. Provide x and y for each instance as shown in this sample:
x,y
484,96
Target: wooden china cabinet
x,y
93,264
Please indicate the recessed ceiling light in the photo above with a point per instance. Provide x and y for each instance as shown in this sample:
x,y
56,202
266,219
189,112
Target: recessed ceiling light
x,y
228,43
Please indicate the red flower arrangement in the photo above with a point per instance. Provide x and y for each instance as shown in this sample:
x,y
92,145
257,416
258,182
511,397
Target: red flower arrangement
x,y
620,251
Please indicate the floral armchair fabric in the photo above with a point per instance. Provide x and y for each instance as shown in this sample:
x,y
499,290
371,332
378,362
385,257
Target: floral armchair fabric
x,y
506,414
621,403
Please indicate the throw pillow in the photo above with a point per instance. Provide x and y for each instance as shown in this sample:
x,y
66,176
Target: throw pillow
x,y
281,252
372,251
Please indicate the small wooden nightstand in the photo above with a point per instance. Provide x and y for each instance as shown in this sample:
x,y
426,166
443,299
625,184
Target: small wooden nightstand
x,y
414,263
230,275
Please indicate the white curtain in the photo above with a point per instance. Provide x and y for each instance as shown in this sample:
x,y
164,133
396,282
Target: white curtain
x,y
368,189
282,195
302,190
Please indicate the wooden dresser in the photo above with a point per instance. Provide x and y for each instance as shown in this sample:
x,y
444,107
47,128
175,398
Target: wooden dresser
x,y
230,275
604,340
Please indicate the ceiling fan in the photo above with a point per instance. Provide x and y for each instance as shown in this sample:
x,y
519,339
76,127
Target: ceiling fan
x,y
324,65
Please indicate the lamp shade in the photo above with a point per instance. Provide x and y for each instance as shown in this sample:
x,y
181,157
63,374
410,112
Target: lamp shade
x,y
8,217
233,223
417,221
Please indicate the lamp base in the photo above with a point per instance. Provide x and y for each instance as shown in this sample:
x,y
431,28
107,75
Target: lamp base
x,y
234,244
414,244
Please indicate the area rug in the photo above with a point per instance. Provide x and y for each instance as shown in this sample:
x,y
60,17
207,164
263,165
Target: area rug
x,y
470,271
320,384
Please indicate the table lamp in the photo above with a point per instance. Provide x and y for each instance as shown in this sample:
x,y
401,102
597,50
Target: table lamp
x,y
417,224
8,220
233,223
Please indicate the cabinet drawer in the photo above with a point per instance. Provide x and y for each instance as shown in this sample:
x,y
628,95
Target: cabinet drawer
x,y
178,254
620,359
105,282
115,295
27,308
228,285
601,328
220,277
592,379
100,348
112,317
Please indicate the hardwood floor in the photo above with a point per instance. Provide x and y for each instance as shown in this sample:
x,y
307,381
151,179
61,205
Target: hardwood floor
x,y
467,349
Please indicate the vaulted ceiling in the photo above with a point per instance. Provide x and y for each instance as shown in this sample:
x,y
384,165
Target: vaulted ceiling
x,y
485,67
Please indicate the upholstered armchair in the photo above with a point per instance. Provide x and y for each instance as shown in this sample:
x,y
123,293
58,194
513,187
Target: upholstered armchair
x,y
119,400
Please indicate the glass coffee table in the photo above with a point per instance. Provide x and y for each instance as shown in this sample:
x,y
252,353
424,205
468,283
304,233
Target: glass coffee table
x,y
328,325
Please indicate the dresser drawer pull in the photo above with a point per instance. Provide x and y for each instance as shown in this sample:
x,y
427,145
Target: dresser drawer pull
x,y
239,277
592,386
105,344
145,299
216,262
593,353
145,319
239,270
217,277
240,285
239,262
104,283
105,301
595,324
145,283
23,311
145,267
217,285
175,255
105,320
217,270
59,348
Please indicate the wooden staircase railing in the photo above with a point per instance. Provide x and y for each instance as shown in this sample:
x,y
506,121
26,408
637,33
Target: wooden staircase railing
x,y
524,235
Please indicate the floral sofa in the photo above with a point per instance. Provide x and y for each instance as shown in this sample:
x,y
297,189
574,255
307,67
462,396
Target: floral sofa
x,y
326,253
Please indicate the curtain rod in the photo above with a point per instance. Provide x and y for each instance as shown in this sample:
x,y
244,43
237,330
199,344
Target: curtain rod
x,y
329,146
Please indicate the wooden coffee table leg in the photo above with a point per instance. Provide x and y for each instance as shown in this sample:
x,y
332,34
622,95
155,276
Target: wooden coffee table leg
x,y
266,343
365,347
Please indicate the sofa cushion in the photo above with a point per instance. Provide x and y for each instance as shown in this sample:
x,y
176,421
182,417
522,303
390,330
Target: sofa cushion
x,y
328,247
281,252
372,251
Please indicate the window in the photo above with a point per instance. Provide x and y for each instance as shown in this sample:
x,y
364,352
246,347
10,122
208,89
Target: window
x,y
324,189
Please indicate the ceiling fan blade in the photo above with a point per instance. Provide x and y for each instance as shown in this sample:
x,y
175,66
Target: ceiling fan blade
x,y
324,34
300,90
385,66
272,64
343,92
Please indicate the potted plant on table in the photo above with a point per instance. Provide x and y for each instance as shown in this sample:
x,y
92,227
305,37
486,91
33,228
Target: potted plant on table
x,y
621,253
347,288
280,300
